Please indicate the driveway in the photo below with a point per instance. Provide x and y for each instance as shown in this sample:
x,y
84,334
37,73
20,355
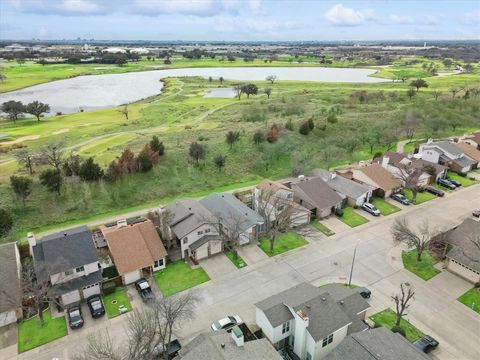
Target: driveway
x,y
90,324
8,335
217,266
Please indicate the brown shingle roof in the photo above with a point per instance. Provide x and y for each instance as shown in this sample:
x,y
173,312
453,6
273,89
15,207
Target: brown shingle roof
x,y
272,186
318,193
134,246
469,150
380,176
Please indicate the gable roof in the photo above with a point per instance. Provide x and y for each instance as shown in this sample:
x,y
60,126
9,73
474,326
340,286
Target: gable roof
x,y
10,283
272,186
317,192
188,215
376,344
470,151
447,146
475,137
341,184
463,250
397,159
134,246
380,176
66,250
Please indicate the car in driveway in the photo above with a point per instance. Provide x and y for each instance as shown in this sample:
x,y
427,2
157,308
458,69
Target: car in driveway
x,y
227,323
171,350
426,343
433,190
144,289
75,318
95,304
370,208
364,292
446,183
476,213
455,182
401,199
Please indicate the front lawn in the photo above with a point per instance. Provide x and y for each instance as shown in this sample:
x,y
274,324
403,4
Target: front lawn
x,y
387,318
178,276
423,268
236,260
464,180
421,196
351,218
31,334
385,207
471,299
116,300
320,227
284,242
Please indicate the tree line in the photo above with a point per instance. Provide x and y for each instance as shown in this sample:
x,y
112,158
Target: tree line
x,y
15,109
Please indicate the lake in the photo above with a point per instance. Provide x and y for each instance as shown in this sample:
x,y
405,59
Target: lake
x,y
104,91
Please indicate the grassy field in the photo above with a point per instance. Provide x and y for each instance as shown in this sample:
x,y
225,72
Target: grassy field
x,y
471,299
424,268
284,242
320,227
465,181
114,301
421,196
352,218
236,260
178,276
32,334
387,318
385,207
181,115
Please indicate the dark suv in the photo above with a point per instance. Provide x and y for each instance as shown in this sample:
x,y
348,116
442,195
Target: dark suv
x,y
426,343
364,292
95,305
75,318
144,289
447,184
433,190
401,199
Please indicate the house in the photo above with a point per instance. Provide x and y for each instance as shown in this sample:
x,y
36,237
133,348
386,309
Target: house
x,y
311,321
446,153
10,290
235,218
315,195
377,177
354,193
401,166
221,345
376,344
275,197
462,258
473,140
470,152
68,259
136,249
192,228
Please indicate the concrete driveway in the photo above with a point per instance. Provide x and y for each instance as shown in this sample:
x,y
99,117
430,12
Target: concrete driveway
x,y
8,335
217,266
90,324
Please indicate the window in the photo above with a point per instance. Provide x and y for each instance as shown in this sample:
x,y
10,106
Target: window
x,y
158,263
80,269
309,356
200,232
207,231
68,272
185,240
327,340
286,327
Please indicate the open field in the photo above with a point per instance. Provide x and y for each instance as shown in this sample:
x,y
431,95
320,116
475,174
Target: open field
x,y
181,115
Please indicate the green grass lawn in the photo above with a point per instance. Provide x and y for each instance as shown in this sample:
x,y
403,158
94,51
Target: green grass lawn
x,y
352,218
114,301
423,268
31,334
421,196
387,318
385,207
284,242
464,180
178,276
320,227
471,299
236,260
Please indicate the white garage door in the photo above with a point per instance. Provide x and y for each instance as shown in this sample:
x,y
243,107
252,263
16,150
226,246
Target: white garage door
x,y
215,247
244,239
91,290
7,317
131,277
463,271
300,219
202,251
71,297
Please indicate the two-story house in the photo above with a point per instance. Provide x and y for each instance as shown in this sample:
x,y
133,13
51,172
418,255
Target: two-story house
x,y
446,153
68,259
10,289
311,321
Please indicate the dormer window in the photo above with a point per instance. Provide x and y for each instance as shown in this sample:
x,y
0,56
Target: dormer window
x,y
80,269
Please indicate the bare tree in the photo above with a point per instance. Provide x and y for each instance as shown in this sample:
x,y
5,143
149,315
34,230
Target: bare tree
x,y
402,232
124,111
409,176
26,158
271,78
52,154
454,91
436,94
238,89
410,125
402,301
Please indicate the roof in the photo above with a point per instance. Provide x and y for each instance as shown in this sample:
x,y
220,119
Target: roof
x,y
341,184
134,246
463,161
447,146
203,240
78,283
469,150
10,293
317,192
272,185
66,250
231,211
188,215
208,346
376,344
475,137
329,308
463,249
395,159
380,176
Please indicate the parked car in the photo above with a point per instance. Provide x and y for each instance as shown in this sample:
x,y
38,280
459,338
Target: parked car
x,y
401,199
433,190
476,213
95,304
364,292
370,208
446,183
426,343
144,289
227,323
172,349
75,318
455,182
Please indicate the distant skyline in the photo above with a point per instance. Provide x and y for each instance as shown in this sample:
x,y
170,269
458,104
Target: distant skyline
x,y
239,20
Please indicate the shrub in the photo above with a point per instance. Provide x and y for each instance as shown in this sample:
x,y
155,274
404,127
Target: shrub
x,y
399,330
304,128
258,137
311,124
289,125
6,221
477,285
113,172
339,212
157,145
109,288
90,170
273,134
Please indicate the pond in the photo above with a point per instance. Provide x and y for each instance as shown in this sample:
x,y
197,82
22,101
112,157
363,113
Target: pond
x,y
104,91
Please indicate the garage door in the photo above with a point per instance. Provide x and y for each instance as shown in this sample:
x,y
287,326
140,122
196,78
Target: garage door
x,y
244,239
463,271
202,251
215,247
71,297
91,290
300,219
131,277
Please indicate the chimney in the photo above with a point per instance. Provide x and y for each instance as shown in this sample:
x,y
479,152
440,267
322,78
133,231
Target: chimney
x,y
429,141
121,223
301,177
333,175
32,241
237,336
385,161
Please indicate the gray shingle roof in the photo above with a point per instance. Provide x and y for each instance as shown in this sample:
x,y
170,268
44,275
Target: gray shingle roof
x,y
447,146
10,280
318,192
464,161
188,215
203,240
463,250
341,184
376,344
78,283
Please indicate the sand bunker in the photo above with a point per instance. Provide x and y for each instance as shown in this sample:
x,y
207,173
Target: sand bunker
x,y
20,139
61,131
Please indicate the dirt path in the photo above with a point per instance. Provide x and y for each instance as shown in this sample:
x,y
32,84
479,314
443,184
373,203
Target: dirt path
x,y
20,139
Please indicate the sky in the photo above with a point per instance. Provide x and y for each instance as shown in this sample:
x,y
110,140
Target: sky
x,y
239,20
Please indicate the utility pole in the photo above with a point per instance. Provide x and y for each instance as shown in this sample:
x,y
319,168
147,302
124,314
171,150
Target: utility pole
x,y
353,262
